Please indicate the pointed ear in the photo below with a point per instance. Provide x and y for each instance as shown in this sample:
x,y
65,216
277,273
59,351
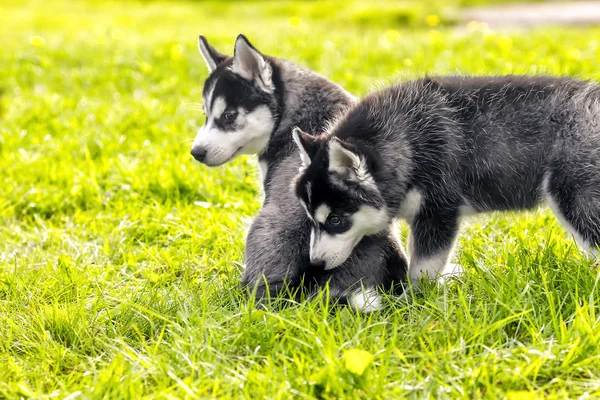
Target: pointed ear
x,y
307,144
212,57
251,65
346,162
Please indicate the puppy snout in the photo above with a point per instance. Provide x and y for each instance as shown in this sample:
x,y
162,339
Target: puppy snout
x,y
319,264
199,153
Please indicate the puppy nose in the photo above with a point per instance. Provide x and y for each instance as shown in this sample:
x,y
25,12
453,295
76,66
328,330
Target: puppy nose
x,y
319,264
199,153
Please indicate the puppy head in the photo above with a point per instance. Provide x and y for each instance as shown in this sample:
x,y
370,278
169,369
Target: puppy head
x,y
239,103
337,189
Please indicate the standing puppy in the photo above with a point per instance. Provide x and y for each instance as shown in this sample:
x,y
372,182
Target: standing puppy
x,y
252,102
432,150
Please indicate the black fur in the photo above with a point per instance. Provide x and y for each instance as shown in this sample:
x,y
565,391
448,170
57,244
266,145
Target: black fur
x,y
277,245
283,227
477,143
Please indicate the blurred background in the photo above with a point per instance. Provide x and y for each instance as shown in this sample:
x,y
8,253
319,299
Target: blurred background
x,y
90,79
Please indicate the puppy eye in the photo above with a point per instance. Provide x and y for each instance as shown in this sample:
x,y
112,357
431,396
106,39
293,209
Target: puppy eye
x,y
230,116
333,220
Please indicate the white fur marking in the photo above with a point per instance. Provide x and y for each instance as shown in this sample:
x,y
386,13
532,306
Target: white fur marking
x,y
218,107
366,300
411,205
263,169
335,249
369,220
208,100
340,158
451,270
251,136
346,162
432,267
322,213
250,64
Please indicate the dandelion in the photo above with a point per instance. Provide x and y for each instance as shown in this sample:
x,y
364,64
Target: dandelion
x,y
294,21
154,277
348,76
392,35
521,395
432,20
37,41
407,62
357,361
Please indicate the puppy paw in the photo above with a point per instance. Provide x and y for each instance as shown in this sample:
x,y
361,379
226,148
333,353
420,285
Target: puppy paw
x,y
450,272
366,301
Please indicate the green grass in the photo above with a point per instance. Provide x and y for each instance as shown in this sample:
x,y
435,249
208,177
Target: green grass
x,y
120,257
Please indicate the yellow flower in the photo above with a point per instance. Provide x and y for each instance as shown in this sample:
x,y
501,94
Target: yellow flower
x,y
407,62
392,35
37,41
154,277
520,395
357,361
432,20
176,51
294,21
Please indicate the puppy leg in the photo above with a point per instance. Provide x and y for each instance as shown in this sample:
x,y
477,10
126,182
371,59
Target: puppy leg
x,y
434,231
576,203
378,265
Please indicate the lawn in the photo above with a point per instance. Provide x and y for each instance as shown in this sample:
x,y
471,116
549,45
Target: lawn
x,y
120,256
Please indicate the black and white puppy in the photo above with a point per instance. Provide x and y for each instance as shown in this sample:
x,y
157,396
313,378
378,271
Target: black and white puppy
x,y
252,102
432,150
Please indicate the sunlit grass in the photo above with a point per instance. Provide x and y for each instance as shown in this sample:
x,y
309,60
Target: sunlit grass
x,y
120,257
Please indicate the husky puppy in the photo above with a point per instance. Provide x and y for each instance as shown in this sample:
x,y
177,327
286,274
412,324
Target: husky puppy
x,y
432,150
252,102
